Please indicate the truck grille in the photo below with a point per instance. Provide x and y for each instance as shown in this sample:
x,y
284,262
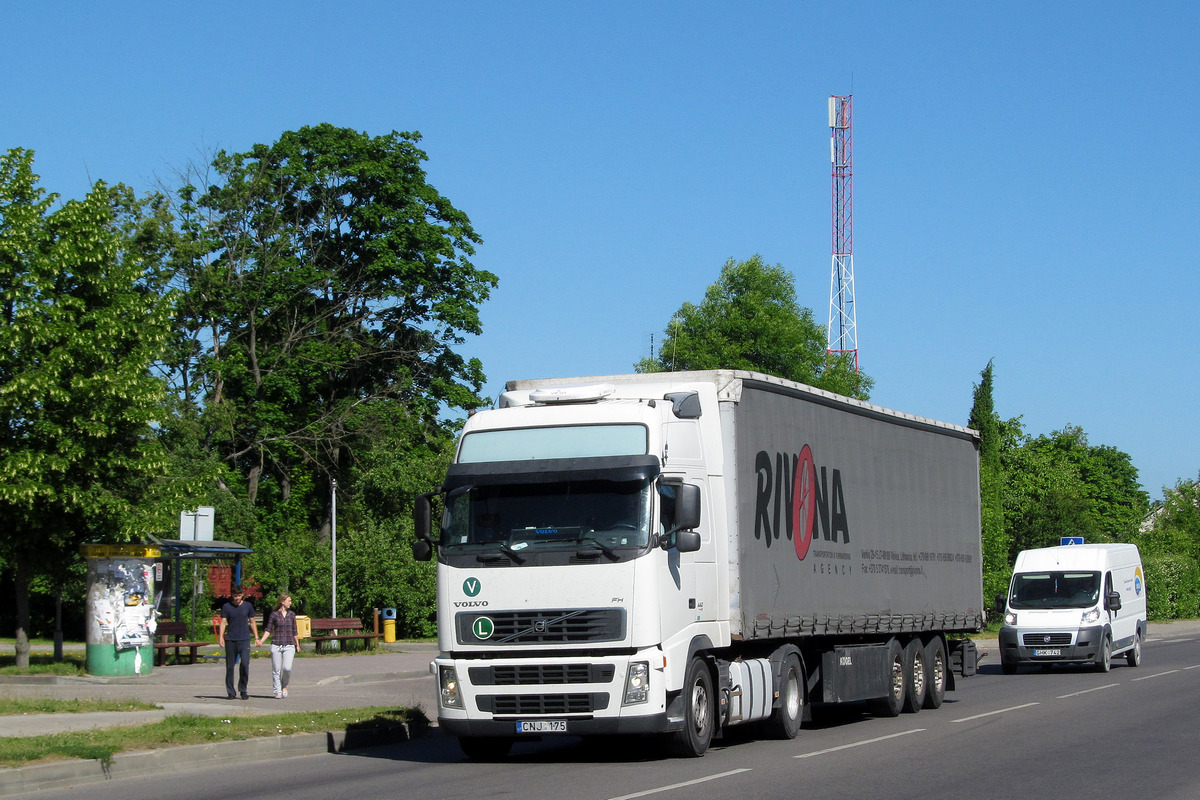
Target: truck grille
x,y
514,704
541,674
546,626
1044,639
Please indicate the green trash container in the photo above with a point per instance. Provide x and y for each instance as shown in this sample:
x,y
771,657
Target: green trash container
x,y
120,608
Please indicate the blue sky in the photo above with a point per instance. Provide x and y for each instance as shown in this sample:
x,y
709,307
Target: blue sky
x,y
1025,174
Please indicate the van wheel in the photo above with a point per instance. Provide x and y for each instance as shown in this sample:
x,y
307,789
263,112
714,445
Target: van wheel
x,y
785,720
935,673
698,713
1008,667
892,703
915,676
1104,657
1133,656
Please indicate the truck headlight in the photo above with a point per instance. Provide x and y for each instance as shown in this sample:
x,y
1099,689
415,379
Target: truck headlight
x,y
1010,618
449,695
1090,616
637,683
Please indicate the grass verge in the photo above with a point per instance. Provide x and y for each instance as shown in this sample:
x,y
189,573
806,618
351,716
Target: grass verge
x,y
184,729
44,664
44,705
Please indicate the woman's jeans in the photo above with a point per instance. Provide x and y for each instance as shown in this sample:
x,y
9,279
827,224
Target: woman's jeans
x,y
281,665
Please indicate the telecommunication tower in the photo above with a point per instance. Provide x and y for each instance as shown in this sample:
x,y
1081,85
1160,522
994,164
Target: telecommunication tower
x,y
842,330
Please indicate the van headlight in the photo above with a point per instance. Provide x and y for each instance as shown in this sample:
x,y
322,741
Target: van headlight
x,y
1010,618
637,683
1090,616
449,694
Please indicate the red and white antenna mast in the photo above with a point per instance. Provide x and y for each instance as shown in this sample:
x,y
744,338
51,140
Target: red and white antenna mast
x,y
842,330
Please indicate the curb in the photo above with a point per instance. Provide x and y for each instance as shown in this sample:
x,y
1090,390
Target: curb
x,y
65,774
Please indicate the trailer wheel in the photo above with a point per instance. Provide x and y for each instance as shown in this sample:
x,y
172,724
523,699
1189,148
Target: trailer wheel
x,y
936,674
1133,656
785,720
891,704
1104,657
915,676
698,713
485,748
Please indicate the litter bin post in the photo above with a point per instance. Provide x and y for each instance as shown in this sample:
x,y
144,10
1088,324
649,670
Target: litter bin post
x,y
120,610
389,624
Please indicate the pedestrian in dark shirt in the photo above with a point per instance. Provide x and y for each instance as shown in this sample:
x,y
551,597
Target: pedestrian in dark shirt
x,y
239,628
282,628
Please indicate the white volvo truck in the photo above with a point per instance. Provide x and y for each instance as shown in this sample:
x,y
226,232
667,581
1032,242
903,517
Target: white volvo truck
x,y
677,553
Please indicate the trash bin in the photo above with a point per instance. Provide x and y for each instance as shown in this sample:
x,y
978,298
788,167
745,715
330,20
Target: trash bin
x,y
303,626
389,624
120,608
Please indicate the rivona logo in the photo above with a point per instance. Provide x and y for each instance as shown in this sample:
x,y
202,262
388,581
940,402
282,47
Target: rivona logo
x,y
792,500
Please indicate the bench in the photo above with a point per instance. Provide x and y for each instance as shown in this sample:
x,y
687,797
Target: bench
x,y
341,625
163,644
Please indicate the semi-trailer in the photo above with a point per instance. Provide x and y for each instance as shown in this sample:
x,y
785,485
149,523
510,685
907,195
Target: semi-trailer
x,y
678,553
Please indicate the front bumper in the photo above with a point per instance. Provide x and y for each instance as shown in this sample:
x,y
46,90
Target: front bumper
x,y
1019,645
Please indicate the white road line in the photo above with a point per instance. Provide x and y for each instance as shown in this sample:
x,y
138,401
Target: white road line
x,y
992,713
680,785
1155,675
1193,666
1085,691
858,744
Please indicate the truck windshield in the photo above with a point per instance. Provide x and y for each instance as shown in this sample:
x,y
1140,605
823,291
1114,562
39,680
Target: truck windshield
x,y
519,518
1054,590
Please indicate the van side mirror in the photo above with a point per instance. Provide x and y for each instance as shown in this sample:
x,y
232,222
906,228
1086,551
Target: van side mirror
x,y
1112,601
422,525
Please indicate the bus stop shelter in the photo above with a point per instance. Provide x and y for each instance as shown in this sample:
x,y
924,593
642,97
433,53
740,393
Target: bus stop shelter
x,y
180,550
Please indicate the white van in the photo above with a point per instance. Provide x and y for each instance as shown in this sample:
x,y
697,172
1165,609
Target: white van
x,y
1075,603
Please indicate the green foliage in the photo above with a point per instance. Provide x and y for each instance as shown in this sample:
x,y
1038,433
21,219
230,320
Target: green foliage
x,y
84,314
1172,586
750,320
995,539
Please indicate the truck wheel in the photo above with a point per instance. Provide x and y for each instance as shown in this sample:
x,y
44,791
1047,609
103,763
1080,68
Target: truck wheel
x,y
1104,657
915,676
1133,656
891,704
785,720
698,713
935,673
485,748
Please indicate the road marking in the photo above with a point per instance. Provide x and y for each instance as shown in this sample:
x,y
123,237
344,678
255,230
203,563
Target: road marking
x,y
680,785
1193,666
858,744
1085,691
992,713
1155,675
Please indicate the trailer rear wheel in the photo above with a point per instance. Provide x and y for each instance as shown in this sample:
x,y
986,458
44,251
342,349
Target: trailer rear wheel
x,y
785,720
915,676
699,715
892,703
936,675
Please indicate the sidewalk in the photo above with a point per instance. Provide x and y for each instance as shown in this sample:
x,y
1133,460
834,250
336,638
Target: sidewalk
x,y
398,676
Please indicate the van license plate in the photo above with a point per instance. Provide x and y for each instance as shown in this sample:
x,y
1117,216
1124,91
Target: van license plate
x,y
542,726
1052,652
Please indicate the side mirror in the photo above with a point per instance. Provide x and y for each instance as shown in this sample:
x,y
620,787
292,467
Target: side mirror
x,y
1112,601
682,534
422,525
687,541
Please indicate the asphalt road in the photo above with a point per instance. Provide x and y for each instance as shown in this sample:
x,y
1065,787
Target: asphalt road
x,y
1068,732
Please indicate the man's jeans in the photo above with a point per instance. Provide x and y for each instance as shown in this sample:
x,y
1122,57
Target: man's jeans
x,y
235,650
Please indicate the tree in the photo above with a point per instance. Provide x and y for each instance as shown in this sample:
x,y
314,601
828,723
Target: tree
x,y
996,562
323,275
750,319
84,316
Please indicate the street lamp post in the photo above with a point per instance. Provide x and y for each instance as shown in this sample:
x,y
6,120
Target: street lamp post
x,y
333,529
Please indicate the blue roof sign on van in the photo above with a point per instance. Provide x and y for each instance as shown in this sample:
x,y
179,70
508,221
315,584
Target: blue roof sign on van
x,y
1071,540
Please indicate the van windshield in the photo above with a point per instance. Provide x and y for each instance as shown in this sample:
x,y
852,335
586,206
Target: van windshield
x,y
1054,590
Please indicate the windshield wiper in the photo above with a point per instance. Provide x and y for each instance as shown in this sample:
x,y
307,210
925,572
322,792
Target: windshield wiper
x,y
506,550
588,538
